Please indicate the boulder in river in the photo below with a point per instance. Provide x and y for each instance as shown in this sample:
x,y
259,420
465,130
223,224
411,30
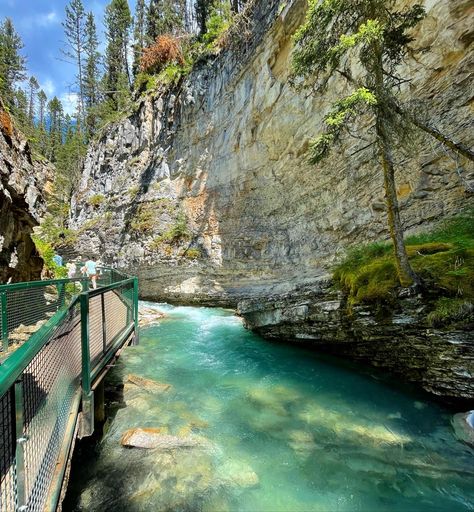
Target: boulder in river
x,y
149,316
238,474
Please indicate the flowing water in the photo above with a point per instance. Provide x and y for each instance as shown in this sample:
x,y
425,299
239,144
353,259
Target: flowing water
x,y
276,429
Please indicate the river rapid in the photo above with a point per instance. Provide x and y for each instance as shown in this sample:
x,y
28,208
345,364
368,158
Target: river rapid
x,y
273,428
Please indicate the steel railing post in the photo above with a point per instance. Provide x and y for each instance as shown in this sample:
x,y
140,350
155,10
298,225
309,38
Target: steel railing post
x,y
104,327
20,447
135,310
3,304
87,423
61,287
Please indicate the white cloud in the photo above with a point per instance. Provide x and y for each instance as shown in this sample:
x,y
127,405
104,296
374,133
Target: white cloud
x,y
69,101
47,19
48,87
42,20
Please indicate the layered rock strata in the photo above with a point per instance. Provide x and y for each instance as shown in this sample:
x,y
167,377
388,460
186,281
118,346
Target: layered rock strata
x,y
218,165
22,187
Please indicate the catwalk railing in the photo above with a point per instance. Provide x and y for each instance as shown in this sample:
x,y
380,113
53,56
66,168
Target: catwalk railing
x,y
58,339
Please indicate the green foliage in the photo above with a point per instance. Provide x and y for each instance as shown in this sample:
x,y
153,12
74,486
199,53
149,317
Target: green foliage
x,y
332,29
47,252
448,311
443,258
12,63
96,200
193,254
219,22
343,112
144,219
176,232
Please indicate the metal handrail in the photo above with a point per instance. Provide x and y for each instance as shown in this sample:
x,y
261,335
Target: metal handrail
x,y
57,334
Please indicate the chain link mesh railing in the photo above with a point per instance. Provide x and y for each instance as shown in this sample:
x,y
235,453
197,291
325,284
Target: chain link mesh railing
x,y
25,307
42,382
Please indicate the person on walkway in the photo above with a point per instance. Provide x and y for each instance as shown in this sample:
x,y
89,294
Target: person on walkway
x,y
91,271
71,269
58,260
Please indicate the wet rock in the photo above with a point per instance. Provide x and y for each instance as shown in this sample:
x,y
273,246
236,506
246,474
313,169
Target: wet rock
x,y
463,425
155,438
133,381
239,474
142,437
149,316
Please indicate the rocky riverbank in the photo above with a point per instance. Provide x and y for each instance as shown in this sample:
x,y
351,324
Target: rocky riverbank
x,y
441,361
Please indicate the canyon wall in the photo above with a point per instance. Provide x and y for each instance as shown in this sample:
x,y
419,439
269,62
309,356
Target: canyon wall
x,y
227,150
205,190
22,203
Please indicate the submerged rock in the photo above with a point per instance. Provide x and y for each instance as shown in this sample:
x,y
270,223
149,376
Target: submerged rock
x,y
132,381
239,474
157,438
301,442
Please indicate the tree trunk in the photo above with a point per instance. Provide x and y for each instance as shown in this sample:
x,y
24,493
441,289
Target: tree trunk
x,y
406,274
434,132
234,4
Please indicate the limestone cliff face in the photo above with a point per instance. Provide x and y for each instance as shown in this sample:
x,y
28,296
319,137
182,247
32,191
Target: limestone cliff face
x,y
22,187
222,157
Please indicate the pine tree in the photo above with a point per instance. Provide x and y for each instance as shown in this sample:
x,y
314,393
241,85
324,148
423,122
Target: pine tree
x,y
42,137
118,23
138,34
91,75
12,63
33,87
165,17
20,108
375,35
55,113
203,10
42,99
75,32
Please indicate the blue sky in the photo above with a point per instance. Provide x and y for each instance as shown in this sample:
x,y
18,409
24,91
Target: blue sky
x,y
39,24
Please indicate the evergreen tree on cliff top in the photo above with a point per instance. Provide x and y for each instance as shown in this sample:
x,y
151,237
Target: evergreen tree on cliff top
x,y
12,63
118,22
363,41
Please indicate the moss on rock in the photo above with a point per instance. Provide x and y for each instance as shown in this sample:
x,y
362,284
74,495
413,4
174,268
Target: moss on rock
x,y
443,258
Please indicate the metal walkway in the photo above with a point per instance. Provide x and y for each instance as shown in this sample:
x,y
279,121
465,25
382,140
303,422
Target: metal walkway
x,y
57,344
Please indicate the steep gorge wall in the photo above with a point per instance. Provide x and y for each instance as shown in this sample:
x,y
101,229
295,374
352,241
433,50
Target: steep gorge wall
x,y
22,203
227,149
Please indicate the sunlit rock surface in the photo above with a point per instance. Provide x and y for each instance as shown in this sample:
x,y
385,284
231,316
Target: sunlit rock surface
x,y
228,151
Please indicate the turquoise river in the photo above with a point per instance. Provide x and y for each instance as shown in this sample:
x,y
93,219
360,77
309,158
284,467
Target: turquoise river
x,y
273,428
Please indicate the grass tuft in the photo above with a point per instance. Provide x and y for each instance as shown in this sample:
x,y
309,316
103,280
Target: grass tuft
x,y
443,258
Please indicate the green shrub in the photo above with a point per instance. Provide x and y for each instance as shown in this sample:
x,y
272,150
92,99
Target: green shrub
x,y
192,254
218,23
448,311
96,200
144,219
47,252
